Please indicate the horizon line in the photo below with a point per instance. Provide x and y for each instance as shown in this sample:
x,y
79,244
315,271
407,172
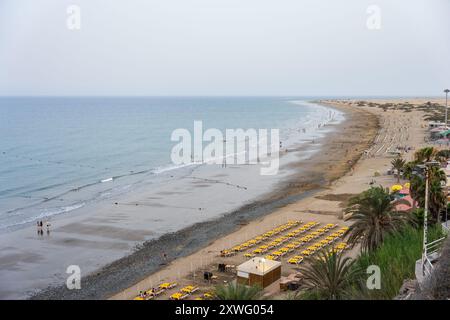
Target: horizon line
x,y
226,96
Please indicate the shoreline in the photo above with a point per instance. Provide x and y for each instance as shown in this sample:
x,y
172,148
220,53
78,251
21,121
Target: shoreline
x,y
80,196
300,178
97,236
325,205
305,176
135,267
207,253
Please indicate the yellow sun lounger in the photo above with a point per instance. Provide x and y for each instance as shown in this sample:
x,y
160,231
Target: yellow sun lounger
x,y
296,260
178,296
297,244
189,289
336,235
167,285
208,295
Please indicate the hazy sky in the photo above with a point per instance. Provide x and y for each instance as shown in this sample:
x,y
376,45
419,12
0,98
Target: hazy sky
x,y
224,47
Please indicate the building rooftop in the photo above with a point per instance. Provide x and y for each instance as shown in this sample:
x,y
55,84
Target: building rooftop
x,y
258,265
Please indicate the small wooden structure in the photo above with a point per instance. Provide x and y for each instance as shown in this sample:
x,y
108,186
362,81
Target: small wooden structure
x,y
258,272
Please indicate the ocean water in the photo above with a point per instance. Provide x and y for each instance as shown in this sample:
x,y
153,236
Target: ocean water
x,y
59,154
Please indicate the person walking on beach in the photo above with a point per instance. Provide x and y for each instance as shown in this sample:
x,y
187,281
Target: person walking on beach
x,y
40,231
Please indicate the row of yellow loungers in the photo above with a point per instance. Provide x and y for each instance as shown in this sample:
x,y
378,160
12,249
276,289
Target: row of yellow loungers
x,y
149,294
337,248
295,244
184,293
258,239
206,296
280,240
321,244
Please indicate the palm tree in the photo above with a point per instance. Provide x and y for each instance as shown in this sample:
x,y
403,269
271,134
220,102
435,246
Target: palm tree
x,y
374,215
417,189
443,155
328,275
437,199
408,169
398,164
425,154
236,291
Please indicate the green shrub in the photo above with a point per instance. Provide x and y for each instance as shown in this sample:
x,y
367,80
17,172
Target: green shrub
x,y
396,258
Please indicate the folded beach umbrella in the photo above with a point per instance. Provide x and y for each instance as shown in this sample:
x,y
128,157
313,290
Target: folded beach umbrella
x,y
396,187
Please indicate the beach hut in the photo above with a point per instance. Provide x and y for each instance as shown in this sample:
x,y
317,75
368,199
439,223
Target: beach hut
x,y
259,272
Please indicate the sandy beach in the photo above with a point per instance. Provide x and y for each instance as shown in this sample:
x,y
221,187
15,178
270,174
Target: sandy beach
x,y
340,153
156,150
106,241
120,247
324,205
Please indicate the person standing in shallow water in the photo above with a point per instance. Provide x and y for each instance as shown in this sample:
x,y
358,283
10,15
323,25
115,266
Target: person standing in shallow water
x,y
40,228
47,225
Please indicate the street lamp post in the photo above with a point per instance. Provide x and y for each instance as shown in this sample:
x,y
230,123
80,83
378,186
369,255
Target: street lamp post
x,y
425,221
426,169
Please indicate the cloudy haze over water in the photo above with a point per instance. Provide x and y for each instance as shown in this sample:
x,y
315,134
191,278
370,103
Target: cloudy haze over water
x,y
224,47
